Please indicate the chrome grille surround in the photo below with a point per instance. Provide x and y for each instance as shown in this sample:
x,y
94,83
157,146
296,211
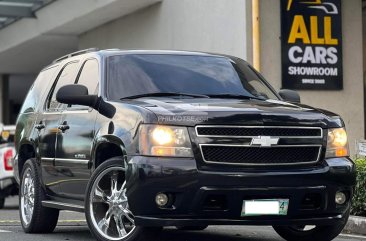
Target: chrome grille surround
x,y
262,164
248,144
258,127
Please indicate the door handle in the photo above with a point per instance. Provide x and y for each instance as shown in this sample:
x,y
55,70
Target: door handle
x,y
40,126
64,126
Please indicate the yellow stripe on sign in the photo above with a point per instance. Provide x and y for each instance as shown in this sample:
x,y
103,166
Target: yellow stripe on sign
x,y
312,2
289,3
316,2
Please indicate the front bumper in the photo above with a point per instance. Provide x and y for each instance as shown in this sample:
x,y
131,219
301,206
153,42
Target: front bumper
x,y
216,197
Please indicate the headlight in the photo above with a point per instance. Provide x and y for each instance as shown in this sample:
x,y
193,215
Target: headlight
x,y
160,140
337,143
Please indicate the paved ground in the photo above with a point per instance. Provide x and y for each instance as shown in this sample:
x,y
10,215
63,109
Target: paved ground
x,y
72,227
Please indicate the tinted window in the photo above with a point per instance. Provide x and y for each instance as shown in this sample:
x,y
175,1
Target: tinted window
x,y
138,74
38,89
90,76
67,76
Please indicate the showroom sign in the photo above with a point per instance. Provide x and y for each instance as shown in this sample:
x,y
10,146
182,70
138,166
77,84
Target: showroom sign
x,y
311,44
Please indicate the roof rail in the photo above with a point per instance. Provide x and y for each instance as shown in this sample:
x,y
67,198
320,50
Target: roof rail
x,y
75,54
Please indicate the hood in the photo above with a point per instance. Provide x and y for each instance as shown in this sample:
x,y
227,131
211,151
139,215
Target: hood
x,y
218,111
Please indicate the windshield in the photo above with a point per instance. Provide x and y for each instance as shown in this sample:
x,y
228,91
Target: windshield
x,y
141,74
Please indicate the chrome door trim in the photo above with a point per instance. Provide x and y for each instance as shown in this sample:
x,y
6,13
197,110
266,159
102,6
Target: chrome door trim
x,y
47,160
71,162
61,205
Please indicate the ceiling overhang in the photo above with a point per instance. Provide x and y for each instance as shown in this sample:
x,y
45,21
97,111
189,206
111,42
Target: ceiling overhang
x,y
31,42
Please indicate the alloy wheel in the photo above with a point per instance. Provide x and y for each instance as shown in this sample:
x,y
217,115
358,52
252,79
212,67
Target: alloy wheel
x,y
27,197
109,210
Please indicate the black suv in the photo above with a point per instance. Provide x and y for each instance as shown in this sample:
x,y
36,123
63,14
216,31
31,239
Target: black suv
x,y
139,140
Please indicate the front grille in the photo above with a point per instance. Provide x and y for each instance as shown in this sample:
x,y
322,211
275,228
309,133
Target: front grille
x,y
249,155
245,131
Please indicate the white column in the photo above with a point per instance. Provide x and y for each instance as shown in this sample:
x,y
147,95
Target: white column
x,y
1,98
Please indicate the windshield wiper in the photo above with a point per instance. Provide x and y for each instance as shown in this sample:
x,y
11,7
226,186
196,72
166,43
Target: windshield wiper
x,y
235,96
162,94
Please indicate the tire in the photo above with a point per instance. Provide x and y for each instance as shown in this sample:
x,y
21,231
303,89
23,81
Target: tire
x,y
192,228
38,219
323,233
108,206
2,203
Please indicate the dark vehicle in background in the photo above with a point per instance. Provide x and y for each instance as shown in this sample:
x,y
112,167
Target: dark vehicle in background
x,y
8,185
139,140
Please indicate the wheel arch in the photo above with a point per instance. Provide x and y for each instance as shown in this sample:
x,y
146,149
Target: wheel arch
x,y
106,148
26,151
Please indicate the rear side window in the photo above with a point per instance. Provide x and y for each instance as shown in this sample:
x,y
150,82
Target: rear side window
x,y
89,76
38,89
67,76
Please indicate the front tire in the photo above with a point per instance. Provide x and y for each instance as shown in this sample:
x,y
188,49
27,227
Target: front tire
x,y
300,233
107,210
34,217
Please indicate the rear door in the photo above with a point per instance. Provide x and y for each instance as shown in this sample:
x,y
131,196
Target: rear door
x,y
47,126
73,154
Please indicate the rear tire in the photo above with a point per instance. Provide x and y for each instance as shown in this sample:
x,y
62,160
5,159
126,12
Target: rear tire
x,y
323,233
2,203
192,228
106,206
34,217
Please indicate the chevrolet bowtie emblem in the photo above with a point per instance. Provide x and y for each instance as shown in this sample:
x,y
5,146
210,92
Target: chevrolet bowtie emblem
x,y
265,141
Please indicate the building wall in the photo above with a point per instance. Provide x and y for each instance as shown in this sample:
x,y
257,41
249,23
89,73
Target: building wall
x,y
1,98
349,102
364,38
205,25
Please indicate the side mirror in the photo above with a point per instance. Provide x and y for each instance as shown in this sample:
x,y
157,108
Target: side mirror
x,y
289,95
76,95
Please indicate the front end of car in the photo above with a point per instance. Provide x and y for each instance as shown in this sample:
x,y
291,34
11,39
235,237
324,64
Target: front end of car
x,y
220,147
231,174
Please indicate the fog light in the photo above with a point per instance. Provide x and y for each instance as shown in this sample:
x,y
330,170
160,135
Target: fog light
x,y
161,199
340,198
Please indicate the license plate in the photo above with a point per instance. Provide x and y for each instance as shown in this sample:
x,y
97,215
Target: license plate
x,y
263,207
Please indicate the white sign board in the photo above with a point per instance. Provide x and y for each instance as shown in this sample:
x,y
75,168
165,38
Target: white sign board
x,y
361,148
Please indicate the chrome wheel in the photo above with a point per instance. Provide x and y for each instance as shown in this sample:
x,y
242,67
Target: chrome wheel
x,y
27,197
109,210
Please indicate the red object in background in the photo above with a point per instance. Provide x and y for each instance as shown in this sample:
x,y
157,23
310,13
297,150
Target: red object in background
x,y
8,155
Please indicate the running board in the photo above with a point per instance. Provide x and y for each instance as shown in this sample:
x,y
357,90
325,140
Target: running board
x,y
63,206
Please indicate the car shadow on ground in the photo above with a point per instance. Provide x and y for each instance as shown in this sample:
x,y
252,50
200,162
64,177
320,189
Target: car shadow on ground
x,y
176,235
10,208
168,234
11,203
78,233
